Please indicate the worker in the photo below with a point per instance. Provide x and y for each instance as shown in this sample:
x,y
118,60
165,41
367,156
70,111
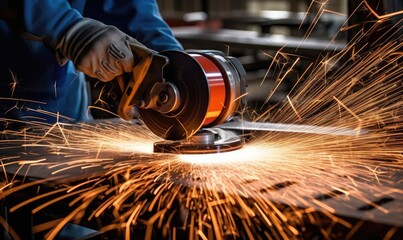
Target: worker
x,y
48,46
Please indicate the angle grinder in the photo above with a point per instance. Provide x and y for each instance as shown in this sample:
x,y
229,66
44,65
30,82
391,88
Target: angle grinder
x,y
182,95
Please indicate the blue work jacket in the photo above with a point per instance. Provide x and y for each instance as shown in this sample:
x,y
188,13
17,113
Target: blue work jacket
x,y
33,86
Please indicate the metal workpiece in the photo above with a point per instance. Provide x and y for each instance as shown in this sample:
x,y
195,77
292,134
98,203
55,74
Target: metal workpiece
x,y
312,193
291,128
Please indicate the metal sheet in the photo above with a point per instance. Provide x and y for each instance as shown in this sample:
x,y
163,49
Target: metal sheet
x,y
291,128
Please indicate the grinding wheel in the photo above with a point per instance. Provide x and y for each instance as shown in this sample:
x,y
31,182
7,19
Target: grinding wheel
x,y
202,96
209,140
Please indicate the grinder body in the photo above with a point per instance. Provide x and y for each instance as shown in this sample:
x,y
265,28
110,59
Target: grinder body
x,y
178,93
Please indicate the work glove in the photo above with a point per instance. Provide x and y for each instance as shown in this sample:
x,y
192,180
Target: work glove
x,y
100,51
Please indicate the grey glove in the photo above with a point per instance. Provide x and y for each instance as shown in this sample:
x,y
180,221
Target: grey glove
x,y
98,50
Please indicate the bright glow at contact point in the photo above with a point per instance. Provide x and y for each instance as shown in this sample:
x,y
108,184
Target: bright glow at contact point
x,y
243,155
130,146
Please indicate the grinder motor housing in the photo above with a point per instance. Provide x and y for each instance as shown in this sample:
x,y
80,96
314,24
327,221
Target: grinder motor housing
x,y
178,93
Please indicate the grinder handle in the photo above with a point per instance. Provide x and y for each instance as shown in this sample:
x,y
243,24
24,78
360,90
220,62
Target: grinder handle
x,y
129,87
141,89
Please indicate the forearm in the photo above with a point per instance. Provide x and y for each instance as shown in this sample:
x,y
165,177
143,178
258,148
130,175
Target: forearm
x,y
46,20
142,21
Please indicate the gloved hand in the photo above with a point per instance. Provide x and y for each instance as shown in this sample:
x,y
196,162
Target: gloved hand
x,y
98,50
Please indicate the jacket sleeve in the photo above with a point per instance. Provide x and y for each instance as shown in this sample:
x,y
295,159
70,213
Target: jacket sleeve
x,y
44,20
140,19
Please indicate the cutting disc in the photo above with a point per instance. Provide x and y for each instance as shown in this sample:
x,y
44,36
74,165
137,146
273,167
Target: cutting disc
x,y
205,141
188,76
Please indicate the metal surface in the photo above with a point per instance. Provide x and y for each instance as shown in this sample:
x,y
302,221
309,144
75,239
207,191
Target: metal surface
x,y
291,128
209,140
374,208
364,203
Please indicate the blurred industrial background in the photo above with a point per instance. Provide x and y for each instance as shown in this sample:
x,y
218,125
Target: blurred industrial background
x,y
255,31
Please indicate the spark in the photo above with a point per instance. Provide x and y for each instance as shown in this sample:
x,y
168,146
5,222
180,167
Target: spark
x,y
14,83
55,88
389,15
100,100
102,109
10,230
293,107
21,99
